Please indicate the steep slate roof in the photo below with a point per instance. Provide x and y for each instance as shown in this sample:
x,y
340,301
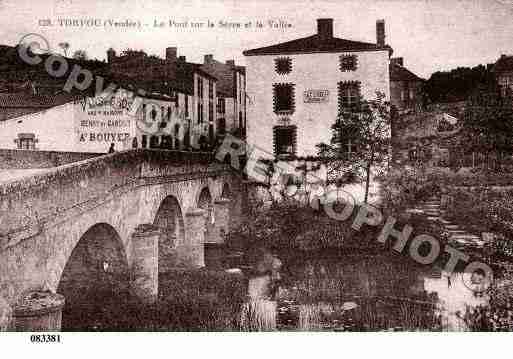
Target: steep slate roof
x,y
315,43
504,63
401,73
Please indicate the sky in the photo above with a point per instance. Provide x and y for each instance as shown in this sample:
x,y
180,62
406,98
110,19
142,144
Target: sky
x,y
430,35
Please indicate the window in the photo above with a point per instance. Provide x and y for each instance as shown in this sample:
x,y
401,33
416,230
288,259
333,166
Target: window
x,y
144,111
283,65
200,87
210,89
348,95
200,111
186,105
210,112
412,155
169,113
154,141
283,98
348,63
177,136
285,140
153,113
221,105
26,141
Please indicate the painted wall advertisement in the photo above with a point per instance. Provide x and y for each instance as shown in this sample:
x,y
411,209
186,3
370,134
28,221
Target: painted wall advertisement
x,y
99,122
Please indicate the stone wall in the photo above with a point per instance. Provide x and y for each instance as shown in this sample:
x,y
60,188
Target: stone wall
x,y
27,159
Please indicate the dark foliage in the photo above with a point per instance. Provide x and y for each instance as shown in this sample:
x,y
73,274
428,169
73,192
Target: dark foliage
x,y
458,84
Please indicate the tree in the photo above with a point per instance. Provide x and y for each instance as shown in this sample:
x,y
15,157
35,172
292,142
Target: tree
x,y
367,126
458,84
80,55
488,123
65,47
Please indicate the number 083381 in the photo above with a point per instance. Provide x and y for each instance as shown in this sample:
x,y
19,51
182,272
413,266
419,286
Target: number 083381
x,y
45,338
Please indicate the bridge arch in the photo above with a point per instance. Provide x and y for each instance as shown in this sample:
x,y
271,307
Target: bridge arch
x,y
95,281
169,219
206,202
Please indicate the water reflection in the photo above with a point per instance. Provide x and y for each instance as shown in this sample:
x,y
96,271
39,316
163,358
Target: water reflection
x,y
358,293
455,298
260,310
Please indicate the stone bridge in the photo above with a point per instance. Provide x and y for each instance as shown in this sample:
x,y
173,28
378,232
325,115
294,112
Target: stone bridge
x,y
129,215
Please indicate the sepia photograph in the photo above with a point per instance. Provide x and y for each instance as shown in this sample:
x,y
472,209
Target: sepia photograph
x,y
256,166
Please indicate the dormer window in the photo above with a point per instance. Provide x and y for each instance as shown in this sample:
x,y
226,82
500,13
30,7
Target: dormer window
x,y
348,63
283,65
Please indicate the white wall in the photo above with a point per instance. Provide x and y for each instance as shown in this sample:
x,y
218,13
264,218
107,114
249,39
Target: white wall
x,y
74,128
318,71
53,128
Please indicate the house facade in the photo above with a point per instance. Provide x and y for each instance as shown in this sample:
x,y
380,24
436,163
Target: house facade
x,y
194,90
406,88
297,88
157,103
503,70
80,123
231,95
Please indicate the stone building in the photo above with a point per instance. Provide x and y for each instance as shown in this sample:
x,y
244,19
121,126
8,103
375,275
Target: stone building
x,y
83,122
406,88
231,95
166,103
503,70
194,89
297,88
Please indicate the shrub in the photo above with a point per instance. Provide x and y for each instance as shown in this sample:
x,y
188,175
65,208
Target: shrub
x,y
404,188
200,300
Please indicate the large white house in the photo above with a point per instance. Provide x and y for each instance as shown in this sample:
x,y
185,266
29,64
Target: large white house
x,y
297,88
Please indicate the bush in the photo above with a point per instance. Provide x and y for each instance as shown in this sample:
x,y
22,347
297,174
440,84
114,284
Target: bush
x,y
483,210
189,300
288,226
404,188
200,300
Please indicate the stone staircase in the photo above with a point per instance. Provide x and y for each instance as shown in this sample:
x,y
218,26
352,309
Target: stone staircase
x,y
458,237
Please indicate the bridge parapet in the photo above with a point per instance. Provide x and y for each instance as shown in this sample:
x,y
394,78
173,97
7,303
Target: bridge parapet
x,y
28,203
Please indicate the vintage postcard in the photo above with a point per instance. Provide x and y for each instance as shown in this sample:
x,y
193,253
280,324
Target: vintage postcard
x,y
241,166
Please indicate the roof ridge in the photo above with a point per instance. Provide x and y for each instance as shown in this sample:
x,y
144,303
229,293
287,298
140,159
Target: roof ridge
x,y
315,43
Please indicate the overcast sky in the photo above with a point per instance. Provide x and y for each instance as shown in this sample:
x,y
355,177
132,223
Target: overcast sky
x,y
430,35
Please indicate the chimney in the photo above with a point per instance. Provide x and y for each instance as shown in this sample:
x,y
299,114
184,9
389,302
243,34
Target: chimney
x,y
208,59
325,29
380,33
111,54
397,61
171,53
181,58
230,63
